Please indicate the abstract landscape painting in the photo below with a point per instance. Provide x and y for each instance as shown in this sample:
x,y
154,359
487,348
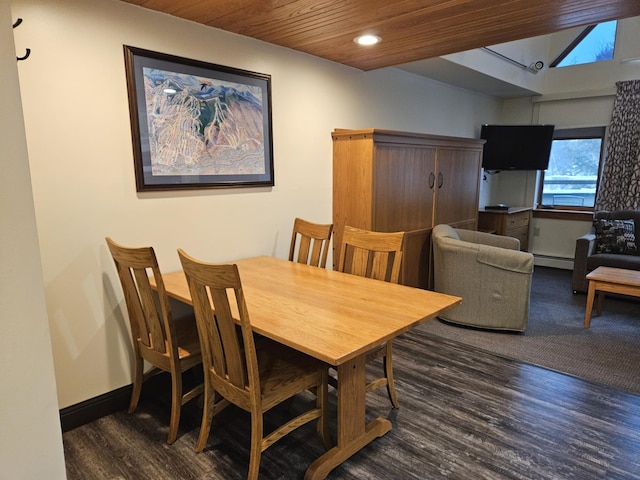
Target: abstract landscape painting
x,y
200,124
203,126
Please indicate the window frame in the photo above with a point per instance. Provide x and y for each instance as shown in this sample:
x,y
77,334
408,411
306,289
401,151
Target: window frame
x,y
577,41
579,133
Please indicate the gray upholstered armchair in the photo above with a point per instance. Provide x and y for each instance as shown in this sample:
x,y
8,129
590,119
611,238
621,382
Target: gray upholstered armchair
x,y
489,272
587,257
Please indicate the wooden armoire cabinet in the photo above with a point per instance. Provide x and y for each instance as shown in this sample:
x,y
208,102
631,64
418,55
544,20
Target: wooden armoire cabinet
x,y
391,181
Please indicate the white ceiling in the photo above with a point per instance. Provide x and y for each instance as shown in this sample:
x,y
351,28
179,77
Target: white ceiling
x,y
445,71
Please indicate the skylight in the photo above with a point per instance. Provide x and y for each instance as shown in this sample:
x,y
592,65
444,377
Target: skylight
x,y
595,45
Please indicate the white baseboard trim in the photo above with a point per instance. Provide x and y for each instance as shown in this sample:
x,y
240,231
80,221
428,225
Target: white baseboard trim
x,y
554,262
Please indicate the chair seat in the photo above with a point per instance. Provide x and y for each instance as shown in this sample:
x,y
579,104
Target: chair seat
x,y
188,339
284,371
189,349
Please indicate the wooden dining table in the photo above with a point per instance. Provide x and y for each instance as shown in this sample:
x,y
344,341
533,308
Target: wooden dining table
x,y
335,317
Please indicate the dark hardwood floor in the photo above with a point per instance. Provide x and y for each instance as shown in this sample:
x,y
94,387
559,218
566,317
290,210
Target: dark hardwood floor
x,y
464,414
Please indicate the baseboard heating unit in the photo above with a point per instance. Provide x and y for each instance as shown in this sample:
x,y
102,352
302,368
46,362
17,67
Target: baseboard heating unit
x,y
554,262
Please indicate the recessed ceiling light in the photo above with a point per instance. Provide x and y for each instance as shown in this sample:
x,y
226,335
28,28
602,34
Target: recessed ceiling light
x,y
367,39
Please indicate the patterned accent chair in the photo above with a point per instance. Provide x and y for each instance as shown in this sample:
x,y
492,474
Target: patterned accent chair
x,y
608,244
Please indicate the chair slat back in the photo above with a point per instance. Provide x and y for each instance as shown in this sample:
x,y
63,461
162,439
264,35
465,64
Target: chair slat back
x,y
313,244
370,254
149,313
217,296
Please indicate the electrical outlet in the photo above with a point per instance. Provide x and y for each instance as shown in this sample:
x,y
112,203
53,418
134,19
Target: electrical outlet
x,y
536,231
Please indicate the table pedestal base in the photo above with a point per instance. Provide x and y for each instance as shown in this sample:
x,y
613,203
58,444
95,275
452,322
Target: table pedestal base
x,y
321,467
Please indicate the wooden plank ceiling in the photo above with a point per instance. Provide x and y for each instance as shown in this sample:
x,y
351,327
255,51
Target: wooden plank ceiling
x,y
410,29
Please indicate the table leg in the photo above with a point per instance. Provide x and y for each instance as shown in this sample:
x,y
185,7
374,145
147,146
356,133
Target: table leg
x,y
590,297
599,300
353,432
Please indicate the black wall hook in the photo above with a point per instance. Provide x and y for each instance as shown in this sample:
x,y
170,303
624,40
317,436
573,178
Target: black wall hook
x,y
28,50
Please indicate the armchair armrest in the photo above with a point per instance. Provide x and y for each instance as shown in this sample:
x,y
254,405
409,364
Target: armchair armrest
x,y
505,259
585,246
490,239
468,257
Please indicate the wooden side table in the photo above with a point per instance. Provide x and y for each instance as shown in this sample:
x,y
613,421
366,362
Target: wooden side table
x,y
613,280
513,222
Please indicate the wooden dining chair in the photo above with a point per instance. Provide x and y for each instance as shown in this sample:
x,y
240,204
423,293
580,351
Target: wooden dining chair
x,y
168,346
253,375
375,255
313,244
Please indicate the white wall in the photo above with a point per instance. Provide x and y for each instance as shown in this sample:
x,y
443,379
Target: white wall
x,y
77,122
30,438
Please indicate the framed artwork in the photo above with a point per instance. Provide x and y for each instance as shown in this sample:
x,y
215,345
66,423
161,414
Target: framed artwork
x,y
196,124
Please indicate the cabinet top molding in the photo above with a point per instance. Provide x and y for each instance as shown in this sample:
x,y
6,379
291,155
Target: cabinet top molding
x,y
393,136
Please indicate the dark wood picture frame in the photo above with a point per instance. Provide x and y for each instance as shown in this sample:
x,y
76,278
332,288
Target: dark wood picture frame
x,y
196,124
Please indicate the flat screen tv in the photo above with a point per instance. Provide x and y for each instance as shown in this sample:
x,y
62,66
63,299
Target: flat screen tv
x,y
516,147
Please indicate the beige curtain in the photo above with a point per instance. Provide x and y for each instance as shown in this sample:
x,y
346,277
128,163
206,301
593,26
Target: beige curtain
x,y
620,179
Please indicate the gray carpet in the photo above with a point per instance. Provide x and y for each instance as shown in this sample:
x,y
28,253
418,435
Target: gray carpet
x,y
607,353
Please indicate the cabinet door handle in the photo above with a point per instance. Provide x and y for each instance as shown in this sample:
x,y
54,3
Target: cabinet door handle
x,y
440,179
432,180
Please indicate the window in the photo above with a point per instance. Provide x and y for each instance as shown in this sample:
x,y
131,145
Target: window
x,y
571,180
595,44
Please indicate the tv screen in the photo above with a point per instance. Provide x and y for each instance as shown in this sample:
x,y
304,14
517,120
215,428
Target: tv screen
x,y
516,147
